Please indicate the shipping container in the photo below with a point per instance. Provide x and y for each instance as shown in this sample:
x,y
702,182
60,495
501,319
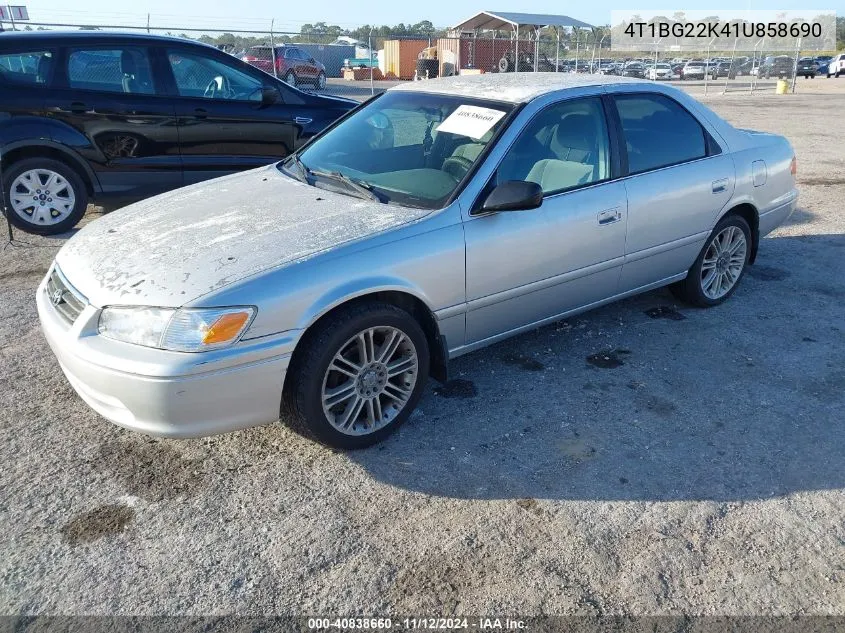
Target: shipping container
x,y
400,57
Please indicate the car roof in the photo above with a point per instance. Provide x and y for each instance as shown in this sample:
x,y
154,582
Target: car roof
x,y
511,87
85,35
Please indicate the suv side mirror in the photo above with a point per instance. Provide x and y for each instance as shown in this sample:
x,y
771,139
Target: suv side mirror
x,y
270,95
513,195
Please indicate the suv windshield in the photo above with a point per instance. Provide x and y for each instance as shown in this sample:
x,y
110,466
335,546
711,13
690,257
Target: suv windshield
x,y
408,148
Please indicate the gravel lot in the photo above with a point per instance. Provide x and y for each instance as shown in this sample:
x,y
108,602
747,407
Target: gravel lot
x,y
695,465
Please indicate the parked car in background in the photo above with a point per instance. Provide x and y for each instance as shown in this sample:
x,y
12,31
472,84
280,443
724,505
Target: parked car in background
x,y
293,65
836,66
693,70
780,66
807,67
93,116
437,219
659,71
634,69
721,69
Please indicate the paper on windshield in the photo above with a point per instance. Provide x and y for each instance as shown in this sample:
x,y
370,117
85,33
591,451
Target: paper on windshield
x,y
471,121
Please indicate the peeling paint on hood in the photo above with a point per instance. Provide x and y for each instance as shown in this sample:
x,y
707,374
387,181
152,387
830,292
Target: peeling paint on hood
x,y
173,248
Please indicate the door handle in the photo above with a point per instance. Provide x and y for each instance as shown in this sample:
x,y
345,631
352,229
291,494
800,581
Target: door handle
x,y
609,216
200,113
720,185
302,120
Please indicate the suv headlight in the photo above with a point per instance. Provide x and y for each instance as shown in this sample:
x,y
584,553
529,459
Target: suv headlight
x,y
182,330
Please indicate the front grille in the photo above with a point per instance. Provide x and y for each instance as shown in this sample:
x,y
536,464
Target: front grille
x,y
62,296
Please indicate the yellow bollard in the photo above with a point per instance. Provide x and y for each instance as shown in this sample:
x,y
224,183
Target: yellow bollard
x,y
782,87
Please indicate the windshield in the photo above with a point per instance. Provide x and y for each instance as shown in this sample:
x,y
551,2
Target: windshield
x,y
408,148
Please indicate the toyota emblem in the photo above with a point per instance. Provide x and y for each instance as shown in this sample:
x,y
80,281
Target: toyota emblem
x,y
57,296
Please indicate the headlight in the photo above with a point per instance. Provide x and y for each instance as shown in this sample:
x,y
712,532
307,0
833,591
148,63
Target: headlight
x,y
183,330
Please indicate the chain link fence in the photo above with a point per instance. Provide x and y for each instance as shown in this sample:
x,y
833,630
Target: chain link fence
x,y
359,67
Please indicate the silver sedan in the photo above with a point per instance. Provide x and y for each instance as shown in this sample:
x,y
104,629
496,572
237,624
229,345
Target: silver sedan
x,y
436,219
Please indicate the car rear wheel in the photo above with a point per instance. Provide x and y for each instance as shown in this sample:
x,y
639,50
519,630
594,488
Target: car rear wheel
x,y
321,81
290,78
719,267
44,196
359,376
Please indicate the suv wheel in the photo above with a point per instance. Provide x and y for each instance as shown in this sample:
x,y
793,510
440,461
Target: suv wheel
x,y
290,78
359,376
321,80
44,196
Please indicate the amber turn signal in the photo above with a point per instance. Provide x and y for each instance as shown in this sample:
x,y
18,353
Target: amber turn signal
x,y
225,328
793,166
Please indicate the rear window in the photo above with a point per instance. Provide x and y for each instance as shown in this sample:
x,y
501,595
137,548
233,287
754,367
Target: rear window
x,y
658,132
124,70
26,67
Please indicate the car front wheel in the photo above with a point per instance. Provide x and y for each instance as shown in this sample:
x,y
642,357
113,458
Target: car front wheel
x,y
321,80
359,376
716,272
290,78
44,196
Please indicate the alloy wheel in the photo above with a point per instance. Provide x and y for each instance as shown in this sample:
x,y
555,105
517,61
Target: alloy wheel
x,y
723,262
370,380
42,197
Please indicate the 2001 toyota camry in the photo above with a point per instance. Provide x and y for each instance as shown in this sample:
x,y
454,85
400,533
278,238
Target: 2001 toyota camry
x,y
436,219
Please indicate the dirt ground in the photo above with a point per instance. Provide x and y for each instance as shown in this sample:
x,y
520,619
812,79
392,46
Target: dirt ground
x,y
645,458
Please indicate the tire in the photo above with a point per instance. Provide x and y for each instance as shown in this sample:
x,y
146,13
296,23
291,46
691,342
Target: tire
x,y
692,289
321,81
290,78
51,213
311,376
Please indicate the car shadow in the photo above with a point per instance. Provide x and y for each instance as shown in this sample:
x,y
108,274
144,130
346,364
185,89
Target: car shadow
x,y
648,399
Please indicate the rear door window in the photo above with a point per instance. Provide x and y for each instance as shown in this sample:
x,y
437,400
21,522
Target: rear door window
x,y
658,132
125,70
33,68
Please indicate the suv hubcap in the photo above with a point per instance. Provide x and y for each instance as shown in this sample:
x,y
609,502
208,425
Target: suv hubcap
x,y
369,381
41,196
723,262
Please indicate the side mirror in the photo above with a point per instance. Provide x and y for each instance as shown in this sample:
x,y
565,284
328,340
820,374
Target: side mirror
x,y
270,95
513,195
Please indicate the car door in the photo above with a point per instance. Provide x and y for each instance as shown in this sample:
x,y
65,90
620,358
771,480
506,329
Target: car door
x,y
109,93
224,125
305,70
678,182
524,267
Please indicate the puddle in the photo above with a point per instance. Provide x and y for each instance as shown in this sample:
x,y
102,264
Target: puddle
x,y
151,469
608,359
665,312
91,526
457,388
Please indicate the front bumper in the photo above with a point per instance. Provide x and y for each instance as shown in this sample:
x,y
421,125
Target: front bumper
x,y
172,394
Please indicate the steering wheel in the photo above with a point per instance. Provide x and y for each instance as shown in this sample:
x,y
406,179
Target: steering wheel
x,y
218,86
457,167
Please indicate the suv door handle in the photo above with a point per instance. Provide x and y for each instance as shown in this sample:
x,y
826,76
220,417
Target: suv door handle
x,y
720,185
609,216
302,120
200,113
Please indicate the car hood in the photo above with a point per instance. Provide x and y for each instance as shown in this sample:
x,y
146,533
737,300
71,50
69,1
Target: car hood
x,y
176,247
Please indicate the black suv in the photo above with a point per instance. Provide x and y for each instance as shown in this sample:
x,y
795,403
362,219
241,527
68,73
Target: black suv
x,y
779,66
109,117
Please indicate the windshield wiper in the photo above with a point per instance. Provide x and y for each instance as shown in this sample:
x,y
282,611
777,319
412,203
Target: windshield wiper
x,y
303,170
363,188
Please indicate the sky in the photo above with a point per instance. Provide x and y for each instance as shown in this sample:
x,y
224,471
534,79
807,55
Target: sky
x,y
347,13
